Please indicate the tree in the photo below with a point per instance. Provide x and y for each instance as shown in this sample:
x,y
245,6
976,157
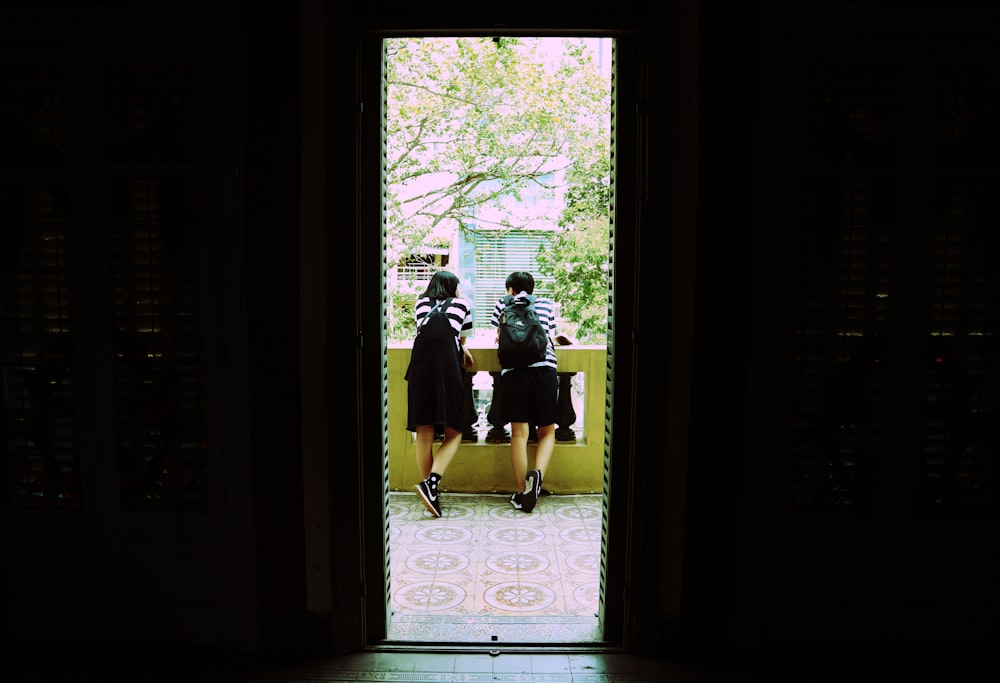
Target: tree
x,y
576,259
473,124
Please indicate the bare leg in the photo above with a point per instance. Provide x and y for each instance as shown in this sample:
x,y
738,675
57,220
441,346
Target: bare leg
x,y
432,468
427,462
546,444
424,446
447,449
519,453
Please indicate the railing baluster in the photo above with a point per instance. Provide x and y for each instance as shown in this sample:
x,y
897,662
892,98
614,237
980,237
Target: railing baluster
x,y
469,435
498,432
565,414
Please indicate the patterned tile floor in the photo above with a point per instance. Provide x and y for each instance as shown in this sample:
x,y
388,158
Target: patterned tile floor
x,y
485,572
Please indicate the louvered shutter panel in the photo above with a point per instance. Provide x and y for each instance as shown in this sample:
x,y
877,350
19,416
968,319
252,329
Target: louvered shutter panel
x,y
843,287
155,219
959,440
498,254
38,436
942,252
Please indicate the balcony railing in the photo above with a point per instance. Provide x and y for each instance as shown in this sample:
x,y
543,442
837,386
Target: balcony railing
x,y
482,464
416,273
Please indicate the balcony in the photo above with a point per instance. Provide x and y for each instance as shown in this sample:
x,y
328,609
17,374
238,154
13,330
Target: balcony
x,y
482,464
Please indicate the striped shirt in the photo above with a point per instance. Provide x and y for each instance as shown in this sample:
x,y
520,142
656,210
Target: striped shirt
x,y
459,315
546,316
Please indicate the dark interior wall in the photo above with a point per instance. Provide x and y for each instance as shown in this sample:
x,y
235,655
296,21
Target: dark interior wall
x,y
728,101
901,576
271,215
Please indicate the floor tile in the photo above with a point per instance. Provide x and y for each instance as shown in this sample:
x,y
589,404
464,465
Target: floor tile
x,y
484,572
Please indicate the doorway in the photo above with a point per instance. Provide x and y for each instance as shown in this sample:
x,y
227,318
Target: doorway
x,y
454,568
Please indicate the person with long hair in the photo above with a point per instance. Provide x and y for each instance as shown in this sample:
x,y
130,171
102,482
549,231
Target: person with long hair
x,y
434,390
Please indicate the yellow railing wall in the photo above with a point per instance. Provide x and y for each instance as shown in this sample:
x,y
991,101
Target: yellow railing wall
x,y
576,467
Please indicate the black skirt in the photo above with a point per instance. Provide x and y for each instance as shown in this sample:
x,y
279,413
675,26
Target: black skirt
x,y
434,386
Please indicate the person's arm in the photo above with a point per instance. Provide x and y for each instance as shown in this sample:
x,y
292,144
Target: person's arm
x,y
420,308
468,362
495,319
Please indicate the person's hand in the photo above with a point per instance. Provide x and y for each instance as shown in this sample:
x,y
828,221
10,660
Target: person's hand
x,y
468,362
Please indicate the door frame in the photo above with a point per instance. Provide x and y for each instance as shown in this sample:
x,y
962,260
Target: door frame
x,y
370,286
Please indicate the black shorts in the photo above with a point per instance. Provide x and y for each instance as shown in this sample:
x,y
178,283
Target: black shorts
x,y
530,395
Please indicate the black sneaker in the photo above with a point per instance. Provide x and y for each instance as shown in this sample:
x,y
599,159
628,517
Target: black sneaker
x,y
429,496
515,500
532,489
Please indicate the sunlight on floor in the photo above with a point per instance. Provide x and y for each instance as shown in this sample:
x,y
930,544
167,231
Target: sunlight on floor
x,y
484,572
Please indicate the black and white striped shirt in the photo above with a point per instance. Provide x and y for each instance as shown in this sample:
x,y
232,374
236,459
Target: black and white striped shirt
x,y
459,315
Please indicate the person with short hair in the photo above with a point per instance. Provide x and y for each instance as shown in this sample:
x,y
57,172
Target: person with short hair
x,y
530,397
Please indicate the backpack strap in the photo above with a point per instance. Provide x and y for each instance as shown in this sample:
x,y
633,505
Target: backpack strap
x,y
433,308
507,300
